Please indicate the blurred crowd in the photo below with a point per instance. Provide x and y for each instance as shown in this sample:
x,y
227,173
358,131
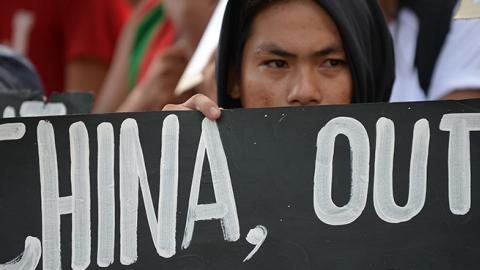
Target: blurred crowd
x,y
132,54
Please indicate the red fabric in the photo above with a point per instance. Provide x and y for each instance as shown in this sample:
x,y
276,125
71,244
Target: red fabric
x,y
148,6
162,39
63,30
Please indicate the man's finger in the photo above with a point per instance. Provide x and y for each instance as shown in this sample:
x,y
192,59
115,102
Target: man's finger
x,y
205,105
174,107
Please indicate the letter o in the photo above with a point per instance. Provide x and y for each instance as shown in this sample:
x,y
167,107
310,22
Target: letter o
x,y
324,206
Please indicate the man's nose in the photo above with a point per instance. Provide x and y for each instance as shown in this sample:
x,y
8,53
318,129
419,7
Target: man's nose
x,y
305,89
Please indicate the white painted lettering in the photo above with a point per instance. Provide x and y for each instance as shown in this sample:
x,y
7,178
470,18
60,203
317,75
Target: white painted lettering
x,y
325,208
459,173
132,171
383,198
256,237
224,208
80,177
106,195
40,108
9,112
29,259
47,156
12,131
53,206
167,205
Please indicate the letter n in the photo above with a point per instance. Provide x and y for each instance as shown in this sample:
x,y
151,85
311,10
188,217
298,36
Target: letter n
x,y
132,173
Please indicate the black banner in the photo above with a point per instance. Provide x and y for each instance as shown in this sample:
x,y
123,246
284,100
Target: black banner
x,y
373,186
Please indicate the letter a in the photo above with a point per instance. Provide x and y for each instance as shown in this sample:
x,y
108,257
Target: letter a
x,y
224,208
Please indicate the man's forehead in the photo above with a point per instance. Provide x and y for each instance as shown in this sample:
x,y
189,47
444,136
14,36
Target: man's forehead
x,y
289,11
299,24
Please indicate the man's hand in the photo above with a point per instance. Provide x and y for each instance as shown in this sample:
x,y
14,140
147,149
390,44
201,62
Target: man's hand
x,y
199,103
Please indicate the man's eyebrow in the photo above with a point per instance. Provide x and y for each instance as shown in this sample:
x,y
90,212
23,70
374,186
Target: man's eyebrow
x,y
329,50
273,49
270,48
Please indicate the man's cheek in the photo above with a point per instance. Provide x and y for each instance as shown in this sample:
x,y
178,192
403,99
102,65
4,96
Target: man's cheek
x,y
270,96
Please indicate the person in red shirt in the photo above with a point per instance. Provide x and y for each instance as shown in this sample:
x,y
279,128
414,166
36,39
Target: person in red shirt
x,y
70,42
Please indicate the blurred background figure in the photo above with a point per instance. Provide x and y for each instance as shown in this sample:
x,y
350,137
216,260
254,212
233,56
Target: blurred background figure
x,y
148,32
17,74
436,57
70,42
154,50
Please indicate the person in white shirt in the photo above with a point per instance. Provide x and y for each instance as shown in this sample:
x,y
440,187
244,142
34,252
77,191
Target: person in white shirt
x,y
436,57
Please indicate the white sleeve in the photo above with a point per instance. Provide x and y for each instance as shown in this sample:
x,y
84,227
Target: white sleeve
x,y
458,65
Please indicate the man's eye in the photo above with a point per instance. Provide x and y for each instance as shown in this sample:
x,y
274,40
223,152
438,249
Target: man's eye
x,y
276,64
334,63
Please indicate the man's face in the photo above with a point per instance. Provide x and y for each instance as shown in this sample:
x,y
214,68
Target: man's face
x,y
293,57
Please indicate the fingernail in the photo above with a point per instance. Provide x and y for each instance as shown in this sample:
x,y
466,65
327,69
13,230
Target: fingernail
x,y
214,111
